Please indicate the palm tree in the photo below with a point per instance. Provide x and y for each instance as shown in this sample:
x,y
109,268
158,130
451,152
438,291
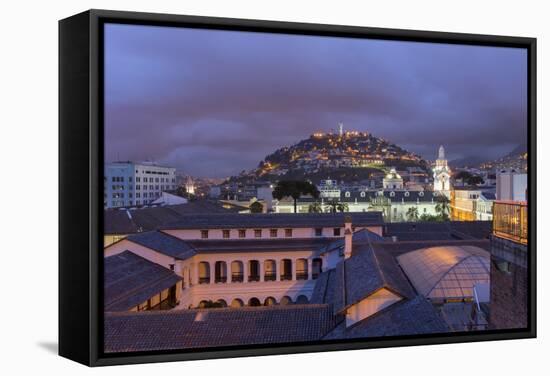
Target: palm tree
x,y
316,207
442,207
335,206
294,189
412,214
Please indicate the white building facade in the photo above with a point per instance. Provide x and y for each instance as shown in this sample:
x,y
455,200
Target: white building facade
x,y
129,184
442,174
511,186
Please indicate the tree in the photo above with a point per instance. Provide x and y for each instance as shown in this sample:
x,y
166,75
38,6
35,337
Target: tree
x,y
442,207
316,207
412,214
468,178
334,206
256,207
294,189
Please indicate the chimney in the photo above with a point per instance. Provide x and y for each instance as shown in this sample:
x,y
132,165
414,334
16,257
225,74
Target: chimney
x,y
348,237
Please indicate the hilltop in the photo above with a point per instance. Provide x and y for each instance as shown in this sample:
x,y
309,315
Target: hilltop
x,y
343,156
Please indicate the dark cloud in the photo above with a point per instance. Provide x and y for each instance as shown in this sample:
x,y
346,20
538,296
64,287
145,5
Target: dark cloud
x,y
215,102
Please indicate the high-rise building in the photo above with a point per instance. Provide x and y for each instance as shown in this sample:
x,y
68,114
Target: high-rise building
x,y
133,184
511,185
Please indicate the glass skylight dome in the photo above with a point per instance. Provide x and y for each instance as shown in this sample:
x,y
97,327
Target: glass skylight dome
x,y
447,272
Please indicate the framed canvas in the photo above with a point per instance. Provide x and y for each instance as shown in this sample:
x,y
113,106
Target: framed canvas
x,y
235,187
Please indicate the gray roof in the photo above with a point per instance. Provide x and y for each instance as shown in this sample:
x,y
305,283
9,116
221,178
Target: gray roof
x,y
200,328
407,317
258,245
274,220
163,243
130,221
448,230
365,272
363,235
130,280
393,195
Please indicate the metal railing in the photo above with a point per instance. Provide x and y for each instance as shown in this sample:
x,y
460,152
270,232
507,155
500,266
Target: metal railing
x,y
301,275
270,276
510,220
204,280
237,277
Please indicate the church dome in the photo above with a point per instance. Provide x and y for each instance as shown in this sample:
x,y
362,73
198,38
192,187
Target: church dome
x,y
393,174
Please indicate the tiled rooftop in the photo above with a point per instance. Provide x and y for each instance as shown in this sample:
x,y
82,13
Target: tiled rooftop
x,y
130,221
200,328
407,317
274,220
131,280
164,243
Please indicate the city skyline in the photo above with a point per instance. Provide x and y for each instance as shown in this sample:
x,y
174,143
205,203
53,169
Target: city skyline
x,y
212,103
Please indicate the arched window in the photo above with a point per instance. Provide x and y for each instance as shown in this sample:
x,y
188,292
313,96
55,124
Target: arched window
x,y
302,299
237,271
222,302
301,269
286,300
392,194
286,270
270,301
204,272
317,267
220,272
203,304
253,271
348,194
236,303
254,302
270,267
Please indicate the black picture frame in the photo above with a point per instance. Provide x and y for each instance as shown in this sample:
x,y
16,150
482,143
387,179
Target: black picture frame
x,y
81,170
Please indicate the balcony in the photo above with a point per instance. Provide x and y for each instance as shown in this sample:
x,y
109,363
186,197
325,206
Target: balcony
x,y
301,275
253,278
510,220
270,276
286,277
221,279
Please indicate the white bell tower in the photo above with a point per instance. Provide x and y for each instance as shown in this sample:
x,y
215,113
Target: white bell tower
x,y
442,173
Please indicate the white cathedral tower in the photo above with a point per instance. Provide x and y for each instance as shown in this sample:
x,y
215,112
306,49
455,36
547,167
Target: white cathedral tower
x,y
442,174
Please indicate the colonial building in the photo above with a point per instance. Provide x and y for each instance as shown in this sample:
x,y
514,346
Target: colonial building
x,y
121,222
342,276
472,204
442,173
392,181
395,205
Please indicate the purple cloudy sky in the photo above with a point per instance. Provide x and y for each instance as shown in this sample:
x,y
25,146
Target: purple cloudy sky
x,y
212,103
